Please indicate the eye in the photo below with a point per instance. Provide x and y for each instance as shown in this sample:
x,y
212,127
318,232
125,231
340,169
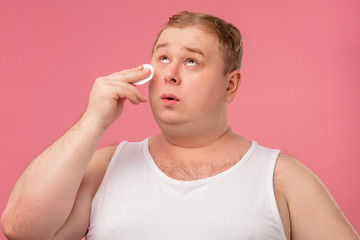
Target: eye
x,y
164,59
191,62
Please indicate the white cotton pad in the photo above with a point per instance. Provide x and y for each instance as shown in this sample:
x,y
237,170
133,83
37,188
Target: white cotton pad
x,y
142,81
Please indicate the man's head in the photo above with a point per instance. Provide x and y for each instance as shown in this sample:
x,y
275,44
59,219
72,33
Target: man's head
x,y
196,75
228,36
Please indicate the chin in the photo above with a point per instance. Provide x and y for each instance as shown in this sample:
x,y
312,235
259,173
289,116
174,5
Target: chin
x,y
169,121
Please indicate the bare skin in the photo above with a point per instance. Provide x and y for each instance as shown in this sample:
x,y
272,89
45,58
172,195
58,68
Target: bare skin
x,y
52,198
303,201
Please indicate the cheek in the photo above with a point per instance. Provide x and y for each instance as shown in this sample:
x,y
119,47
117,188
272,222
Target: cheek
x,y
153,88
155,63
158,70
213,91
156,78
208,83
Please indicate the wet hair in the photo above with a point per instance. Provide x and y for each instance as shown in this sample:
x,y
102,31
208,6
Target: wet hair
x,y
228,36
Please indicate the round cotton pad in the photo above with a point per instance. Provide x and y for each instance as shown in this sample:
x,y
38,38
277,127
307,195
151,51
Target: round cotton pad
x,y
142,81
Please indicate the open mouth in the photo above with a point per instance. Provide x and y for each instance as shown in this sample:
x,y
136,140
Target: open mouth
x,y
169,99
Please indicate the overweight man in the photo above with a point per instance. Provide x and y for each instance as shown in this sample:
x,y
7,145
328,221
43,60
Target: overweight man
x,y
196,179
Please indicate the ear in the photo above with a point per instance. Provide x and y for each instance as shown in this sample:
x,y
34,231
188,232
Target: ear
x,y
233,82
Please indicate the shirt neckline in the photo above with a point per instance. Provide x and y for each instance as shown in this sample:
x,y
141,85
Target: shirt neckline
x,y
176,182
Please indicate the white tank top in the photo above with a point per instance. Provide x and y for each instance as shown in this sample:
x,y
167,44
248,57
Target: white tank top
x,y
137,201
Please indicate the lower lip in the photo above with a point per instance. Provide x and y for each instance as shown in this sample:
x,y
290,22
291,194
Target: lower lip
x,y
169,102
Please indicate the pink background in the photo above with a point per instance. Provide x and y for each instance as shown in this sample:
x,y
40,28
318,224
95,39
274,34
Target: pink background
x,y
300,88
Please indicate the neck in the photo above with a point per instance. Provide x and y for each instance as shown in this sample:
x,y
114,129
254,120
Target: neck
x,y
194,134
194,139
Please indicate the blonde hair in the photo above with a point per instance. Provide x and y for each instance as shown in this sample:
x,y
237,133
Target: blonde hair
x,y
229,37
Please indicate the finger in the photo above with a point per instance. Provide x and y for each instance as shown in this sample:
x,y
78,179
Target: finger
x,y
139,96
117,88
129,95
128,91
127,70
131,76
128,86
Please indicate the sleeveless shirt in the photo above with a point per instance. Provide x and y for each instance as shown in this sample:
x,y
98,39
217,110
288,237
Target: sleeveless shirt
x,y
136,200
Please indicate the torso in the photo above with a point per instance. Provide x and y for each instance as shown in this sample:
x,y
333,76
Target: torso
x,y
180,171
212,165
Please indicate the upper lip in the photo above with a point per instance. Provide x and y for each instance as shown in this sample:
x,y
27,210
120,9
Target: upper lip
x,y
169,96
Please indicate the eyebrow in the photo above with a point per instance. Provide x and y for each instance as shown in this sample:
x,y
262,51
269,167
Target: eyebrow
x,y
189,49
160,45
195,50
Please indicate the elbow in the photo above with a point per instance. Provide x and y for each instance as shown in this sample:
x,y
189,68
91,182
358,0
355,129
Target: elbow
x,y
15,230
8,228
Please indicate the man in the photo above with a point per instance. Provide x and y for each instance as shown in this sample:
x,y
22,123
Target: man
x,y
197,179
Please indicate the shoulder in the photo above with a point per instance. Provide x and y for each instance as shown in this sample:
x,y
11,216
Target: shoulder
x,y
97,167
101,158
298,183
313,212
296,180
105,154
289,171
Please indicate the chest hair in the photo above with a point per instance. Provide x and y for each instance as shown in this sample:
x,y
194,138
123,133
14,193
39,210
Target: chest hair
x,y
193,170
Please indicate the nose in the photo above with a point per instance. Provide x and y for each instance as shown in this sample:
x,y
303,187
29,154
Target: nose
x,y
172,75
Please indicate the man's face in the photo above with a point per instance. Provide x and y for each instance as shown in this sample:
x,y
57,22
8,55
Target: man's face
x,y
189,85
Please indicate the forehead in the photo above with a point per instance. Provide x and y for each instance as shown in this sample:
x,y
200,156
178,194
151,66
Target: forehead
x,y
188,37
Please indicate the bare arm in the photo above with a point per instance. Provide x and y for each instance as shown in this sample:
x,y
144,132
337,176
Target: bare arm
x,y
314,213
76,225
44,195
